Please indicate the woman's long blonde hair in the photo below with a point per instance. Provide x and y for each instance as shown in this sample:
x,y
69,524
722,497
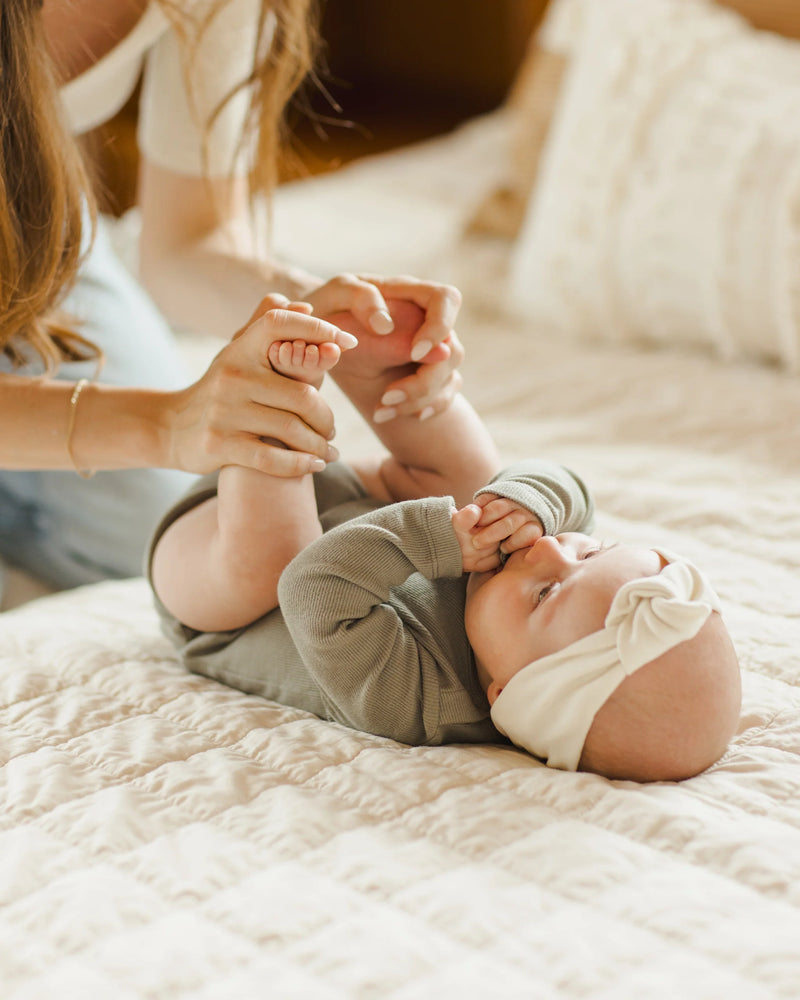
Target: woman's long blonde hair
x,y
44,192
45,189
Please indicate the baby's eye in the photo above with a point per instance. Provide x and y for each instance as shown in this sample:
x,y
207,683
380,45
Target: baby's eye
x,y
598,549
541,596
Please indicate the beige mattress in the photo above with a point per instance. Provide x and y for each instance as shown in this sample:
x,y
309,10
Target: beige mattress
x,y
164,837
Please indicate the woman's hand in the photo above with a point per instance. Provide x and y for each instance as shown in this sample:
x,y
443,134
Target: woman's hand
x,y
240,408
427,388
407,388
367,297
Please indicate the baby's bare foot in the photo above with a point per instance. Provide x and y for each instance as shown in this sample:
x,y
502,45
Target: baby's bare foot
x,y
303,362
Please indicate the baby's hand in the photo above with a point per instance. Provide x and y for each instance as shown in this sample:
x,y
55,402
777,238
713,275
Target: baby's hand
x,y
475,560
493,527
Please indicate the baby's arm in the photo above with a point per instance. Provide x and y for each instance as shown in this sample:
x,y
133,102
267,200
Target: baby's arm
x,y
217,567
450,452
373,645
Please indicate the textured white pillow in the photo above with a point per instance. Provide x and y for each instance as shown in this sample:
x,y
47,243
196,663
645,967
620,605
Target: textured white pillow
x,y
667,207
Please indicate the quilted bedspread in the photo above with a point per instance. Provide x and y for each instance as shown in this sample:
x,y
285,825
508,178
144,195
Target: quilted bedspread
x,y
164,837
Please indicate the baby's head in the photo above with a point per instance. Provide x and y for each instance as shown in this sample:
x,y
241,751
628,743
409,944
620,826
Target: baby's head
x,y
612,659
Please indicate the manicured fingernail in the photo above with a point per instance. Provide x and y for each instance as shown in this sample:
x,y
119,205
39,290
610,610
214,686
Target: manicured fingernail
x,y
393,397
383,414
418,351
426,413
332,453
381,322
347,340
316,465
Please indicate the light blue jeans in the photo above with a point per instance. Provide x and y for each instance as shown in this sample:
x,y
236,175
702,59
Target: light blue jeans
x,y
68,530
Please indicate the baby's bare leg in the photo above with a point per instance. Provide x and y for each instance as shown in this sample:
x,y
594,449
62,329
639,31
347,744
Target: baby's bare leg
x,y
257,522
303,362
265,521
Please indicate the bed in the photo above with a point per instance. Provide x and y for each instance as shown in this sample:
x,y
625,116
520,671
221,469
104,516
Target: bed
x,y
166,837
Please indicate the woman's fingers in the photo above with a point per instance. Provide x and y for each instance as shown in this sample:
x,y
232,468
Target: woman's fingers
x,y
400,399
291,324
292,412
269,457
428,390
439,302
242,412
353,294
236,407
366,295
271,301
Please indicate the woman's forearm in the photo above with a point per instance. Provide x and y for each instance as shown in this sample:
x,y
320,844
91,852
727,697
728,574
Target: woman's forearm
x,y
232,415
199,254
112,427
211,286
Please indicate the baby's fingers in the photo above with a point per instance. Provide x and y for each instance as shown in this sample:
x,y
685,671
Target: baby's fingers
x,y
497,531
474,560
525,536
494,508
482,563
465,519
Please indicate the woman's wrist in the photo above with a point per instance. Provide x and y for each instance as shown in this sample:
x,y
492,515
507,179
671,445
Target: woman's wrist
x,y
118,427
99,426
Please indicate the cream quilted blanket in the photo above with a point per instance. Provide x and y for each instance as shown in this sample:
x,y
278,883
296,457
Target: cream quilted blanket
x,y
164,837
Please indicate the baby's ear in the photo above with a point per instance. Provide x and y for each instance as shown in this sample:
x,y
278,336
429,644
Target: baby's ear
x,y
493,692
673,717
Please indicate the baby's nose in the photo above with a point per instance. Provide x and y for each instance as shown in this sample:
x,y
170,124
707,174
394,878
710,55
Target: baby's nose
x,y
546,550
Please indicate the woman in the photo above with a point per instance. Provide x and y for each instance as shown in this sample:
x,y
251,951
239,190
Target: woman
x,y
218,75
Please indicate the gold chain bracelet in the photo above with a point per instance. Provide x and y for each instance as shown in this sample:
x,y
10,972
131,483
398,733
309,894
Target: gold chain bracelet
x,y
80,385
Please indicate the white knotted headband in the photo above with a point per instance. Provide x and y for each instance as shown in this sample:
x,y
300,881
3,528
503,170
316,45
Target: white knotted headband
x,y
548,707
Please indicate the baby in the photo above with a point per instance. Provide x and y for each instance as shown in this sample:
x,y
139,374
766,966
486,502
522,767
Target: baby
x,y
428,598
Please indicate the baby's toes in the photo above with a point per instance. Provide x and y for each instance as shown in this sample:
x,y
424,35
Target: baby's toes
x,y
274,354
303,355
328,355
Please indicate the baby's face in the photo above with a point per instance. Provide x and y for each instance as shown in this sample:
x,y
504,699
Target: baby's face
x,y
544,598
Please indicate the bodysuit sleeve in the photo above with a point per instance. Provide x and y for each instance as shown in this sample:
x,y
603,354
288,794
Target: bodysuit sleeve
x,y
377,652
556,495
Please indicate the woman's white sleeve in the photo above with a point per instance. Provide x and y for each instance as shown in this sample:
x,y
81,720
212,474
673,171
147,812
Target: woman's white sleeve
x,y
179,95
